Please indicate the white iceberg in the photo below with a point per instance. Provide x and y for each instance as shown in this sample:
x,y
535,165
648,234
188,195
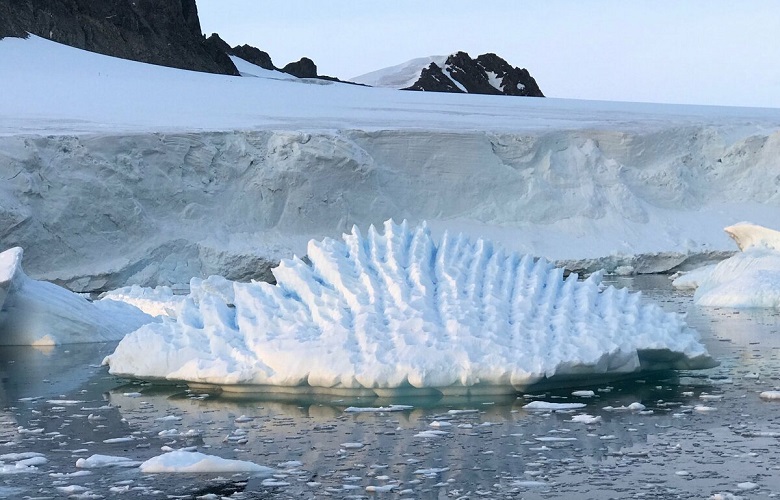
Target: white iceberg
x,y
748,279
40,313
193,461
394,312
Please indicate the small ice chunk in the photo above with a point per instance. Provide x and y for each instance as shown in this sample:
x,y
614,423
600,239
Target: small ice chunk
x,y
99,461
188,461
586,419
546,406
770,395
583,394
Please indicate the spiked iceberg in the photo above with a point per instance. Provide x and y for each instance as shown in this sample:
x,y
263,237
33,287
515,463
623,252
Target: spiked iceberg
x,y
396,312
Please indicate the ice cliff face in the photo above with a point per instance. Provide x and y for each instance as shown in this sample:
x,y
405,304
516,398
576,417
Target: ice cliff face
x,y
98,212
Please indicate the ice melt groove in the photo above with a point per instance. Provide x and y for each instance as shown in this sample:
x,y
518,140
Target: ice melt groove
x,y
396,310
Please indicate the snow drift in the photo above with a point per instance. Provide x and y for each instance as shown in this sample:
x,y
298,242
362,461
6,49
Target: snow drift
x,y
392,312
40,313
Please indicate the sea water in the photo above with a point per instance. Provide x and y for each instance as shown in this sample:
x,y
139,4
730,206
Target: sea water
x,y
671,435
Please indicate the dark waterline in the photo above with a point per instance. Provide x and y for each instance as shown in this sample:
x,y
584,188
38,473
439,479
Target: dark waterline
x,y
701,433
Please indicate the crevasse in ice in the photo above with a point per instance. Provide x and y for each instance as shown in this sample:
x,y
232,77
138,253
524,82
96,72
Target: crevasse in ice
x,y
396,311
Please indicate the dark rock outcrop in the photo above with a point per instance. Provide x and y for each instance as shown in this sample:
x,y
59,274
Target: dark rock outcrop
x,y
305,68
253,55
487,74
164,32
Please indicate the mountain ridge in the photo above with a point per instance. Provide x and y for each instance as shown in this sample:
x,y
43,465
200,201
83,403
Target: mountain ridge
x,y
456,73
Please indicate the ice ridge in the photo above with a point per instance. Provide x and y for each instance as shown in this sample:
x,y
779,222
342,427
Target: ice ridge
x,y
394,311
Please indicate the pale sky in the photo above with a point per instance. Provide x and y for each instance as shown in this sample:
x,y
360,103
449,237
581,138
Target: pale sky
x,y
720,52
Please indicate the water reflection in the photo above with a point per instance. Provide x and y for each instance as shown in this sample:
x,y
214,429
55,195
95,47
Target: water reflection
x,y
699,433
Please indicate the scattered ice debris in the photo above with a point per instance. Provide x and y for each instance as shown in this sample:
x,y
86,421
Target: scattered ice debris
x,y
168,418
459,317
124,439
748,279
704,409
290,464
770,395
20,463
101,461
378,409
545,406
586,419
747,486
431,434
188,461
431,471
583,394
554,439
352,446
42,313
635,406
373,488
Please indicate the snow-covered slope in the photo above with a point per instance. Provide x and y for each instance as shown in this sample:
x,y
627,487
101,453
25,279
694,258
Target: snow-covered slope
x,y
401,75
395,311
118,172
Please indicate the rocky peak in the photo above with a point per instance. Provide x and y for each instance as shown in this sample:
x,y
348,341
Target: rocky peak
x,y
255,56
305,68
487,74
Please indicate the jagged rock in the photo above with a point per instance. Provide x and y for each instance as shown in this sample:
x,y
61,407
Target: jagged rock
x,y
164,32
305,68
514,81
433,79
256,56
218,42
487,74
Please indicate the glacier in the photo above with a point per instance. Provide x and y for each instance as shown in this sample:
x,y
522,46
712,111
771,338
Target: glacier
x,y
394,313
125,173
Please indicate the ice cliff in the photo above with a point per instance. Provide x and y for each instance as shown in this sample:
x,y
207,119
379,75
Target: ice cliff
x,y
99,212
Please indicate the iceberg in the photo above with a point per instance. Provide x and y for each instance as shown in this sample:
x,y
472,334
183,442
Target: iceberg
x,y
396,313
748,279
40,313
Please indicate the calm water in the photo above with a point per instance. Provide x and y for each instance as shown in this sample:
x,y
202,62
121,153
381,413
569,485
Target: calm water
x,y
701,433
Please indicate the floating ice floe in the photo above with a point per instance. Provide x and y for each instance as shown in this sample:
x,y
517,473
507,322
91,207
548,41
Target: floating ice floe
x,y
41,313
749,279
395,312
193,461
